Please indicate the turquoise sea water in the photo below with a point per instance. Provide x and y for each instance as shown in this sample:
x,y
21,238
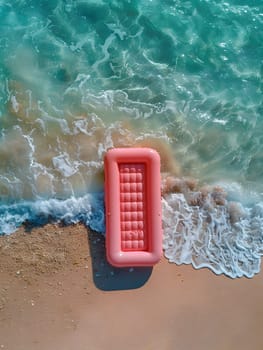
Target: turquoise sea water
x,y
78,77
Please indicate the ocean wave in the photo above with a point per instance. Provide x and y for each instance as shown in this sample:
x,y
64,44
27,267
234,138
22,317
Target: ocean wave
x,y
203,228
88,210
200,227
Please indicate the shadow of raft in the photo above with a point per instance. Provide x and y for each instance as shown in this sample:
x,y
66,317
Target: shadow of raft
x,y
109,278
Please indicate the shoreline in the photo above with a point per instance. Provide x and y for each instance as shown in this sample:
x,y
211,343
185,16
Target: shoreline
x,y
57,291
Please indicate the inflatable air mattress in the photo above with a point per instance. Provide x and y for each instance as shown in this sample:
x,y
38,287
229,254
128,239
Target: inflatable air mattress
x,y
133,207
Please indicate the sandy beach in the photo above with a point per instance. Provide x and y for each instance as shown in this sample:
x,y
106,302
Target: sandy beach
x,y
58,292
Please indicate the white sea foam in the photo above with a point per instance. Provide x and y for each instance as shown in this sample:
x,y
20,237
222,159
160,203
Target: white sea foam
x,y
15,104
88,210
63,164
217,237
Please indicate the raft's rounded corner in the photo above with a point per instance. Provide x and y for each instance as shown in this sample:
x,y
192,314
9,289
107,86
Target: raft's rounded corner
x,y
154,155
110,154
156,257
114,258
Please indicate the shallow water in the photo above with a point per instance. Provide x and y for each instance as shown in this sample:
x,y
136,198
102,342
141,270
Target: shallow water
x,y
185,77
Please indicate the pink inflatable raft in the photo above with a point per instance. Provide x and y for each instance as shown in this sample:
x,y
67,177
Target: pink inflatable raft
x,y
133,207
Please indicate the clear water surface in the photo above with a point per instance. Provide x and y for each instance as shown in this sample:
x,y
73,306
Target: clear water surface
x,y
78,77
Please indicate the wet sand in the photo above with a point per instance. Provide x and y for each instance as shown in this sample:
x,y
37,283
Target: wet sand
x,y
58,292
